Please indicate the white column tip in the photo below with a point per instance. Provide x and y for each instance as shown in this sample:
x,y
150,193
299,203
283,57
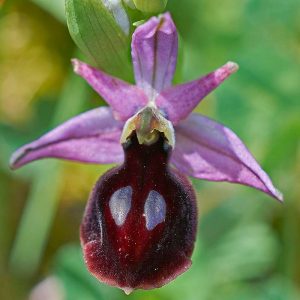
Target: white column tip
x,y
232,66
127,290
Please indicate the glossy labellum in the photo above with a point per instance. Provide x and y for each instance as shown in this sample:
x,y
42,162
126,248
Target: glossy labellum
x,y
140,222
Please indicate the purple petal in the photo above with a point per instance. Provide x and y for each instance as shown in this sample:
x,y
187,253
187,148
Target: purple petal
x,y
154,54
206,149
179,101
92,137
124,99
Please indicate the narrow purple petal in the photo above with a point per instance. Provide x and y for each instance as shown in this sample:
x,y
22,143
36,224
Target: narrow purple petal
x,y
179,101
206,149
154,54
92,137
125,99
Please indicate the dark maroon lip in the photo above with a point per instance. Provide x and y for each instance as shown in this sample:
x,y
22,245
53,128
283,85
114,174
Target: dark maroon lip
x,y
140,223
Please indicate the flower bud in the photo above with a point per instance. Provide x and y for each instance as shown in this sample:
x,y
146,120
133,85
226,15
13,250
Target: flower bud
x,y
150,6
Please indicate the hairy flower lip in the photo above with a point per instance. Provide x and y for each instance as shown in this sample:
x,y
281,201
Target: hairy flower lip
x,y
128,290
164,250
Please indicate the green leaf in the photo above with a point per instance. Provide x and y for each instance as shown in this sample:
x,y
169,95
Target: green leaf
x,y
102,34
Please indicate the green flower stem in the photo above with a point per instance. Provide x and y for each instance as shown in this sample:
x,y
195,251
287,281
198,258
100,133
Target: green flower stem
x,y
45,193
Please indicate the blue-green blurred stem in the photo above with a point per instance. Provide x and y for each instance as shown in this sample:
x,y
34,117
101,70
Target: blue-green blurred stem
x,y
41,206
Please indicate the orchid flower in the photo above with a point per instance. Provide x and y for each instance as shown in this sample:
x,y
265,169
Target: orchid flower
x,y
140,223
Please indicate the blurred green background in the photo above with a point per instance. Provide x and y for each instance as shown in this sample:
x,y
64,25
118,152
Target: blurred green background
x,y
248,244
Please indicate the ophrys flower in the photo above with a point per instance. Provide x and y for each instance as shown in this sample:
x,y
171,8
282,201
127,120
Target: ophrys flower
x,y
140,223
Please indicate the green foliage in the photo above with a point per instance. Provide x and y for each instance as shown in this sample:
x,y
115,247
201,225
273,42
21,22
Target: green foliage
x,y
248,245
150,6
77,282
45,192
55,7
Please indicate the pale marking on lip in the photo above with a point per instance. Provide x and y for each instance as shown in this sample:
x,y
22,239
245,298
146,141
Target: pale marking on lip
x,y
154,210
120,204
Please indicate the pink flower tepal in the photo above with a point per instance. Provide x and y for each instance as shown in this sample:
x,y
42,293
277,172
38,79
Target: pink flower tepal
x,y
154,55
